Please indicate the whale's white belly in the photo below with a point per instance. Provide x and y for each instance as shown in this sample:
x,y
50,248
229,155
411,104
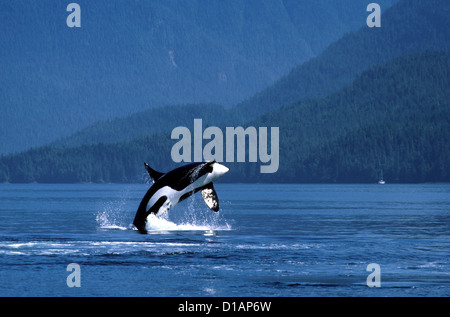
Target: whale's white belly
x,y
173,196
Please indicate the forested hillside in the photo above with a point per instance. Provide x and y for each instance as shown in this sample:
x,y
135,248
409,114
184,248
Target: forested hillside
x,y
131,55
100,163
375,100
155,120
394,117
409,26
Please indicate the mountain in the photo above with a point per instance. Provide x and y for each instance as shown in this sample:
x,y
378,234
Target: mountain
x,y
409,26
394,116
131,55
151,121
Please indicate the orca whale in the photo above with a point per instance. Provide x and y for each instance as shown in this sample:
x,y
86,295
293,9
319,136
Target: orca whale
x,y
172,187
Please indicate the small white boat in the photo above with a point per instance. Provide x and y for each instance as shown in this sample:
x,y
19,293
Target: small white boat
x,y
381,181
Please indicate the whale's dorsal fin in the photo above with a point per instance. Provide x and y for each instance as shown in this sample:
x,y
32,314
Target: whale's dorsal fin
x,y
210,197
153,174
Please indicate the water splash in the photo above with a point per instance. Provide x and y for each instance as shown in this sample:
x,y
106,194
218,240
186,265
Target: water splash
x,y
191,216
111,216
107,221
156,223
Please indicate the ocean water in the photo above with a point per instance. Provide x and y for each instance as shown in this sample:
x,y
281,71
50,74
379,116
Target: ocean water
x,y
267,240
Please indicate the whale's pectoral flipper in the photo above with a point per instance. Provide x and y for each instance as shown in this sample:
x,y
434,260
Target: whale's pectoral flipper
x,y
210,197
153,174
